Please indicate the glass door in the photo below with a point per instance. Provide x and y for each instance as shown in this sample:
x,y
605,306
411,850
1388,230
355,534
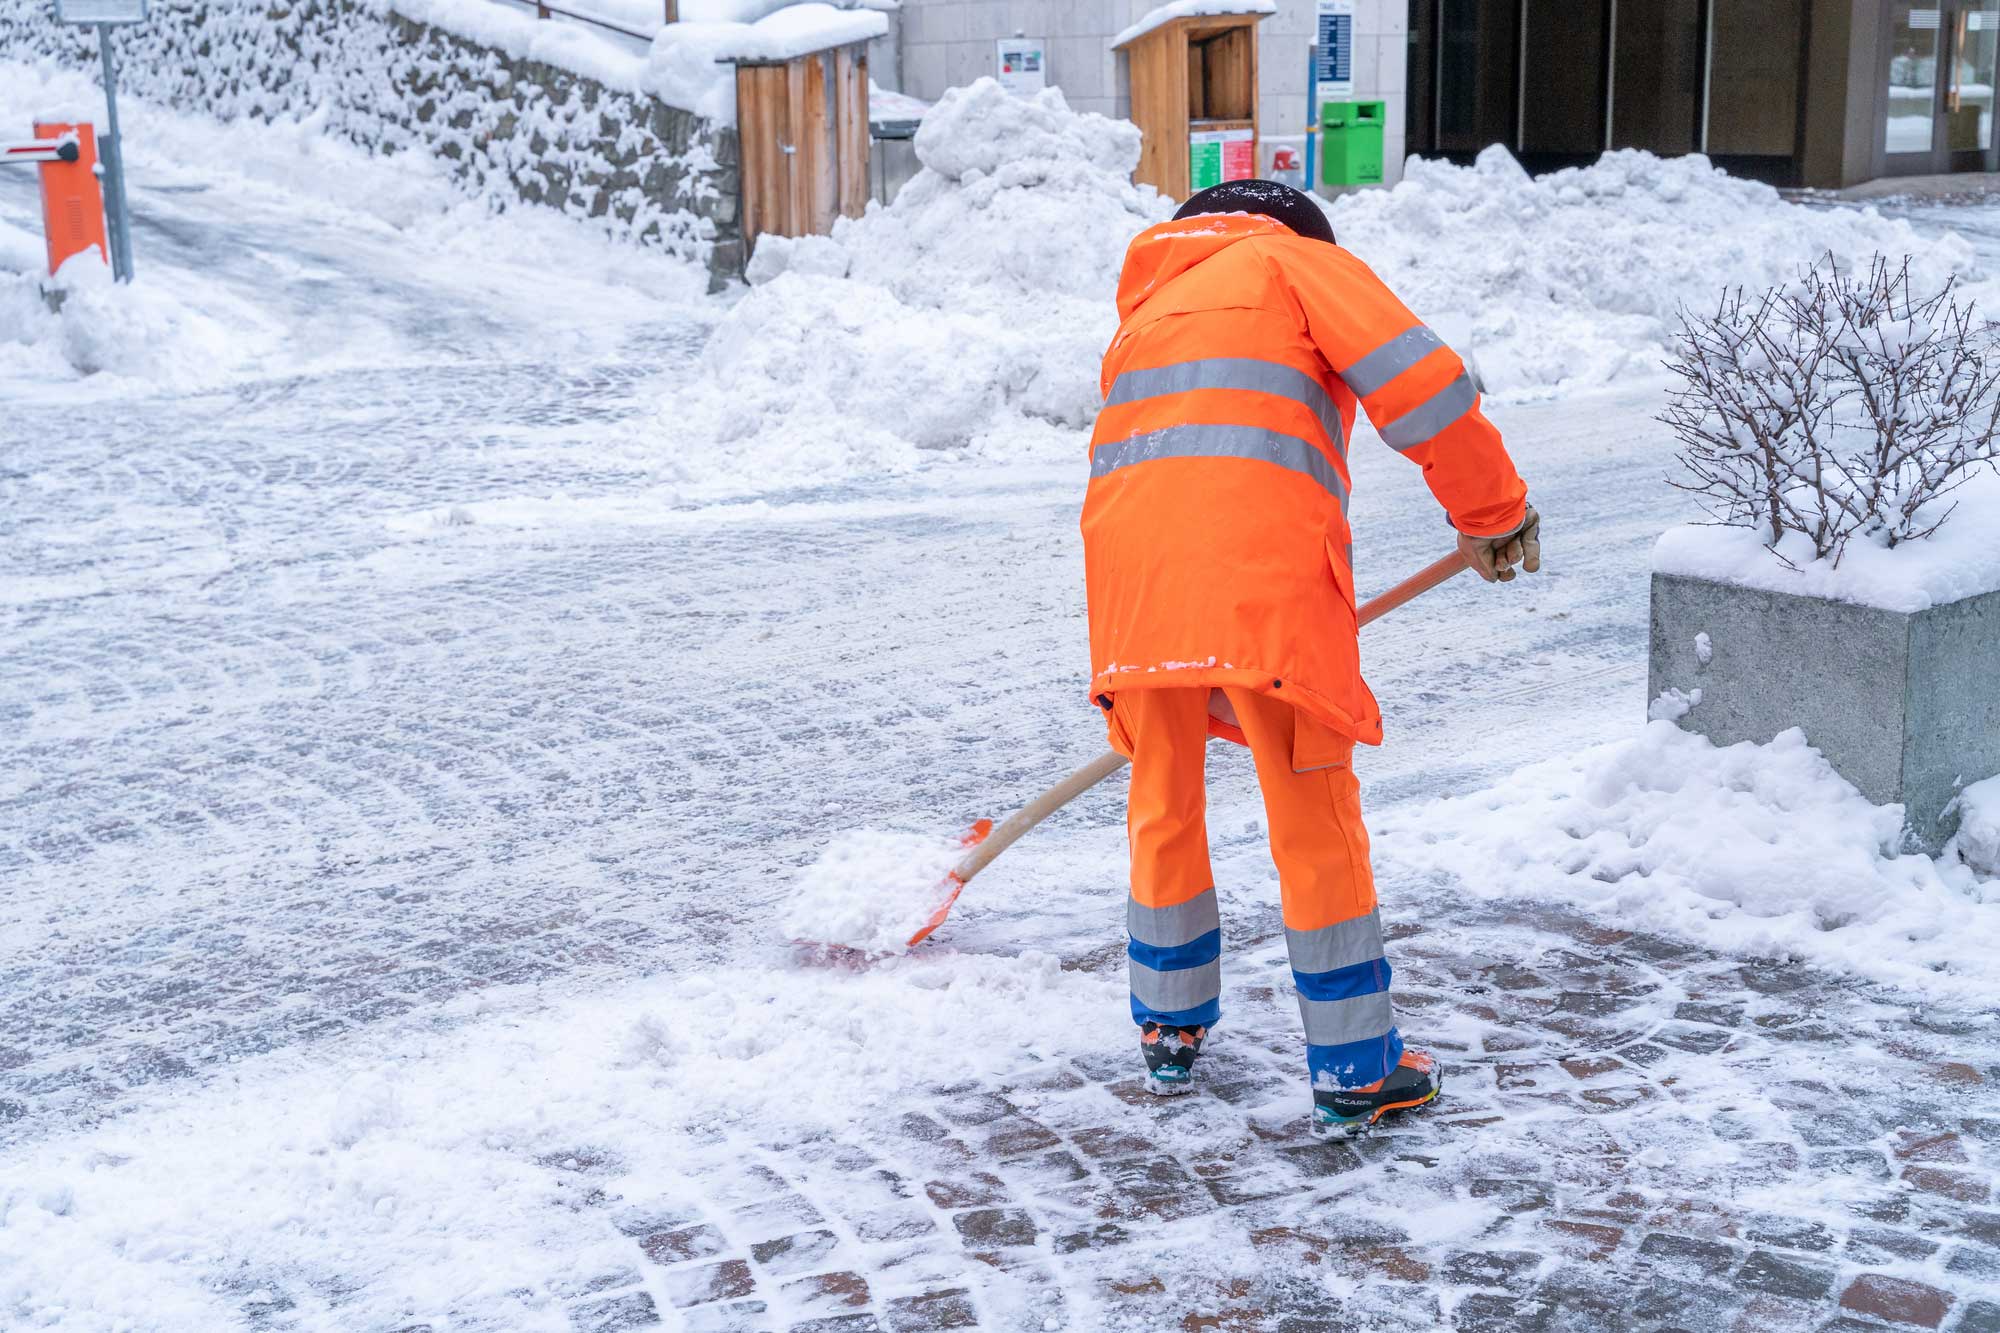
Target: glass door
x,y
1974,41
1910,110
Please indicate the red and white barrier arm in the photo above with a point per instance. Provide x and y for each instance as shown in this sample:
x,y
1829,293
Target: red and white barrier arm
x,y
40,150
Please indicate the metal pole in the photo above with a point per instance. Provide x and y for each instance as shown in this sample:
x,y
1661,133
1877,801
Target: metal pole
x,y
113,153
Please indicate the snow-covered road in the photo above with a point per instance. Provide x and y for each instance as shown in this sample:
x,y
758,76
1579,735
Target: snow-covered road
x,y
398,782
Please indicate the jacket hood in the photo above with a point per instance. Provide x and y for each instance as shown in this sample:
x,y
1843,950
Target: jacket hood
x,y
1162,253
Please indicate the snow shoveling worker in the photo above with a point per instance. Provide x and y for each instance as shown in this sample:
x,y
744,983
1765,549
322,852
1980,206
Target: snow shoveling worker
x,y
1221,587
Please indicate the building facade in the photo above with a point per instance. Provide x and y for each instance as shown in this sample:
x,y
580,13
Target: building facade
x,y
939,44
1797,92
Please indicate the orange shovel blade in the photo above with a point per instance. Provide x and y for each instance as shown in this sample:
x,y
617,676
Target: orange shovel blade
x,y
973,837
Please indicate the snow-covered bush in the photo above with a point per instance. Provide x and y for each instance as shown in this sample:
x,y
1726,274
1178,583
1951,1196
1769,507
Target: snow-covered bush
x,y
1844,404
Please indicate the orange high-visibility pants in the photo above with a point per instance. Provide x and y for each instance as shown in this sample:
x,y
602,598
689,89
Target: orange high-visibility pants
x,y
1313,805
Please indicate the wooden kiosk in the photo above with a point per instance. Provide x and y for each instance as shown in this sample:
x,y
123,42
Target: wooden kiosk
x,y
803,129
1194,95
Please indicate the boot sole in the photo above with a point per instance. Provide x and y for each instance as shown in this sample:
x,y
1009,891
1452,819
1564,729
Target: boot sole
x,y
1355,1128
1169,1087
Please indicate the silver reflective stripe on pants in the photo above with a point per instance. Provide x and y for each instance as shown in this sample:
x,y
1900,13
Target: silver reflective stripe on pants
x,y
1183,988
1380,367
1233,372
1336,1022
1421,423
1171,927
1252,442
1342,944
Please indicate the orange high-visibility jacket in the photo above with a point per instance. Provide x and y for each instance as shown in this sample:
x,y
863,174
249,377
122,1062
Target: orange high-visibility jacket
x,y
1215,536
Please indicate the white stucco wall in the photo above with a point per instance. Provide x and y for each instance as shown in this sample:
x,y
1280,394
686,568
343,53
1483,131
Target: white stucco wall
x,y
944,43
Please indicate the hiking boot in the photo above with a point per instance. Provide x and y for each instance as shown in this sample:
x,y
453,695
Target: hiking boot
x,y
1345,1112
1170,1054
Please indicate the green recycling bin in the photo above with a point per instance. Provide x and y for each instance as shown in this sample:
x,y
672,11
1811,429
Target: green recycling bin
x,y
1350,142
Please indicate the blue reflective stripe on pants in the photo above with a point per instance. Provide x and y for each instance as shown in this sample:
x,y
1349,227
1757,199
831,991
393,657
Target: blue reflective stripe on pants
x,y
1172,958
1355,1064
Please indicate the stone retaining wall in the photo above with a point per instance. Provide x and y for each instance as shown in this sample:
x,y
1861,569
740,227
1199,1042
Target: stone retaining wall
x,y
513,131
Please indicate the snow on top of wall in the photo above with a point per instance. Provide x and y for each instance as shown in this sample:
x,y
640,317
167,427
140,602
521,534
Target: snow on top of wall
x,y
1752,850
572,46
1184,9
1576,278
1961,559
689,63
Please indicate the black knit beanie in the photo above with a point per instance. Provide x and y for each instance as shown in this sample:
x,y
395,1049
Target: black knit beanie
x,y
1266,198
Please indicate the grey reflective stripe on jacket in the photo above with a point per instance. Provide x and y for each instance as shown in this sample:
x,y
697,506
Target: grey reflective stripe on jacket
x,y
1246,374
1250,442
1377,370
1421,424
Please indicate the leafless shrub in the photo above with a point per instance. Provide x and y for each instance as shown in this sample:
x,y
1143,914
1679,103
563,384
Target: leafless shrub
x,y
1843,404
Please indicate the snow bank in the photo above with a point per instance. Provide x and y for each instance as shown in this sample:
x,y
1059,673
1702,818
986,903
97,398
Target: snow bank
x,y
871,890
147,330
1574,279
1181,9
1961,559
974,307
1752,850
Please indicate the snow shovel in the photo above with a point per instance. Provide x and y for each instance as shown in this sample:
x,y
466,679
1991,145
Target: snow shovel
x,y
985,841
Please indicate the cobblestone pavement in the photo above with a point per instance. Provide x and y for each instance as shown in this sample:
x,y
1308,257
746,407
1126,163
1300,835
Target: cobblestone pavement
x,y
1636,1136
273,773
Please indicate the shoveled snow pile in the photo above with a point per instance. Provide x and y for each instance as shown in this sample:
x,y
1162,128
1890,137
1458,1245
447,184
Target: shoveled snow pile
x,y
141,331
1753,850
871,890
1961,559
970,314
1574,278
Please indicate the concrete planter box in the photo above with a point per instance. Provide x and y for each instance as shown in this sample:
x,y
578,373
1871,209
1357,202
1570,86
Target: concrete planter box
x,y
1905,705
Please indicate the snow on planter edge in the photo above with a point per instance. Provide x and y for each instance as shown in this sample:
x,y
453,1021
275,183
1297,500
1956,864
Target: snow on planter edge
x,y
1961,559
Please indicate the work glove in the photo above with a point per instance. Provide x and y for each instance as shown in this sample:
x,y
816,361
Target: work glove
x,y
1494,558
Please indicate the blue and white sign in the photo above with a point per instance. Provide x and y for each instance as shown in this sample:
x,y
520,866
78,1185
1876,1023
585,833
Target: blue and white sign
x,y
1336,49
100,11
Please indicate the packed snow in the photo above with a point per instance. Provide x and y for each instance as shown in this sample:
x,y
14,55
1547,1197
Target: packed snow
x,y
1752,850
1961,559
872,889
1185,9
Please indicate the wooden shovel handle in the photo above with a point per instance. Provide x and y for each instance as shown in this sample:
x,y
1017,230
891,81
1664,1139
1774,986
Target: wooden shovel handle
x,y
1005,835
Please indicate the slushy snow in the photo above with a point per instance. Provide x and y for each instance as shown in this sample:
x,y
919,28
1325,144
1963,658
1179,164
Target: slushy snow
x,y
1961,559
1752,850
872,889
